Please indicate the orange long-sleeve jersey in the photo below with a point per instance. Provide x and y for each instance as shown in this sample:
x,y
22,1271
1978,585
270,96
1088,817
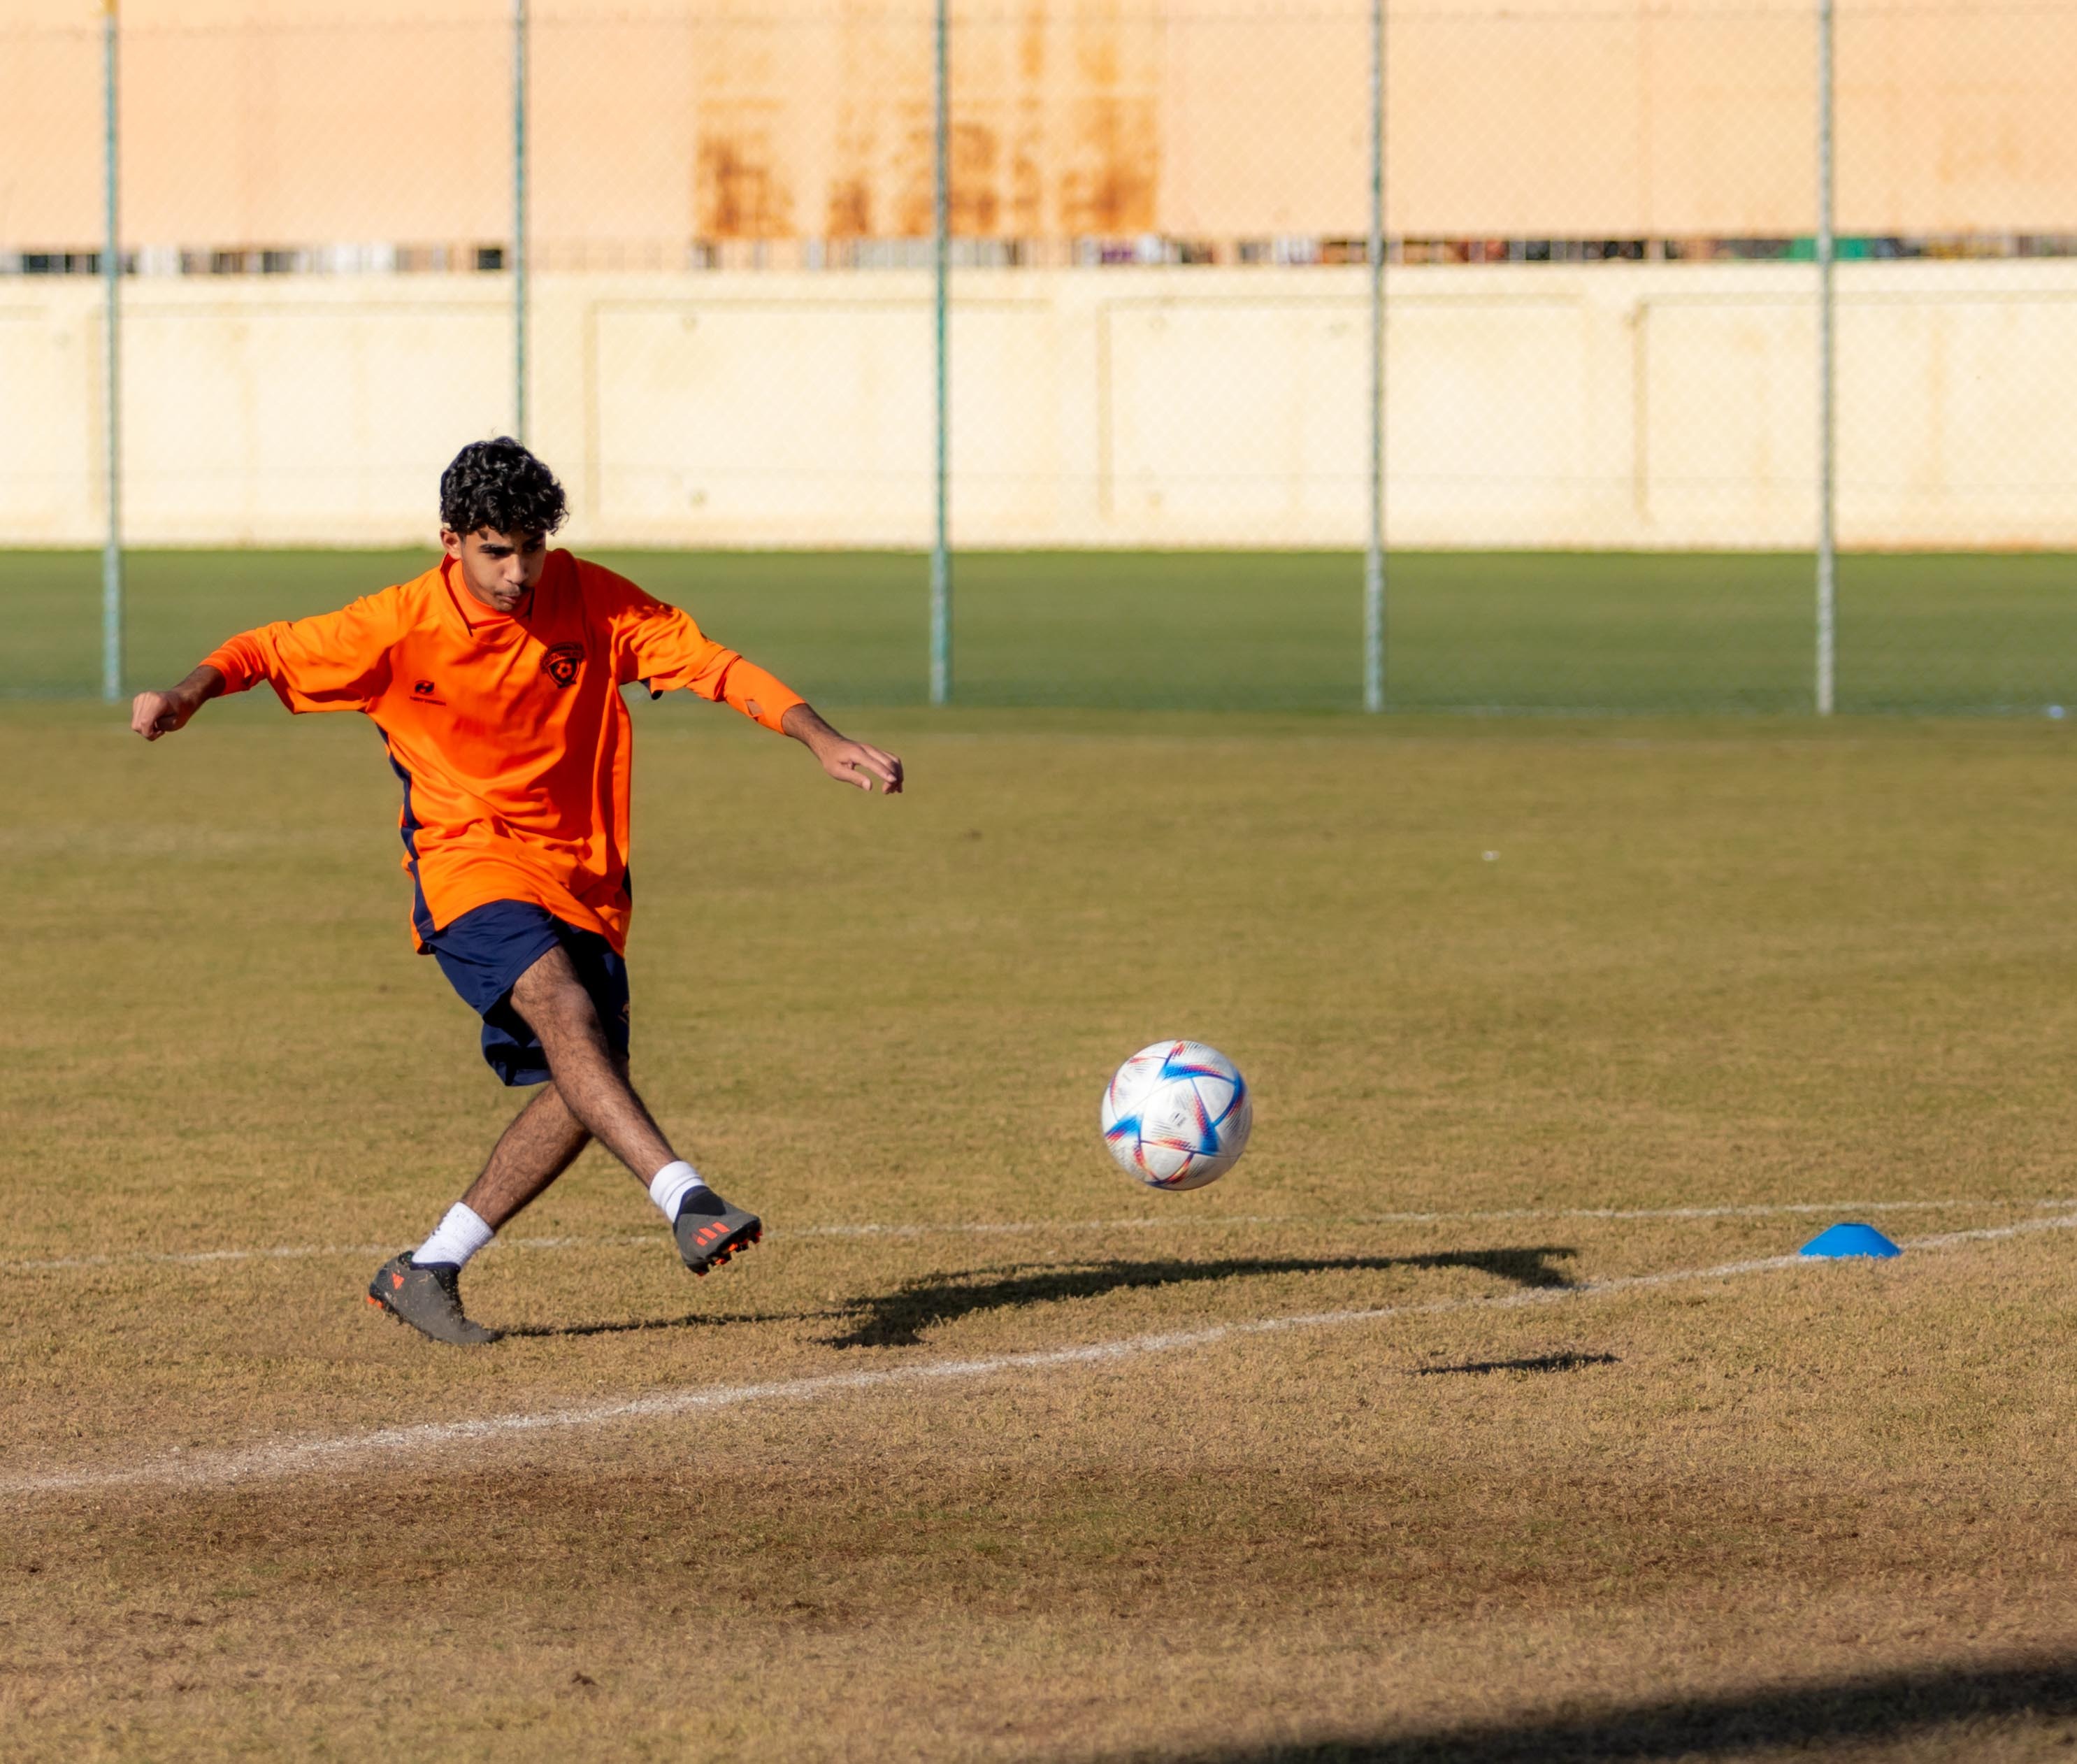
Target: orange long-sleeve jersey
x,y
509,732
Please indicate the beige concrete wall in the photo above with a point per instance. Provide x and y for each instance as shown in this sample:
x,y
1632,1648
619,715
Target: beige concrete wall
x,y
294,122
1599,405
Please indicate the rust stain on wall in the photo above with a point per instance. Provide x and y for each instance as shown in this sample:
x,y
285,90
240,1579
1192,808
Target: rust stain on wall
x,y
974,200
912,171
1027,192
974,204
1055,130
1110,164
1031,44
1026,198
850,208
1113,172
737,192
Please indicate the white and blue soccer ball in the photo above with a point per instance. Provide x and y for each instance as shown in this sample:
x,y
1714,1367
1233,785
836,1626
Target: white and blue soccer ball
x,y
1177,1115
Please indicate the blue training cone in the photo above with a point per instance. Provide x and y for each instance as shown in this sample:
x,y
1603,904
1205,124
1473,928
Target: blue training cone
x,y
1846,1240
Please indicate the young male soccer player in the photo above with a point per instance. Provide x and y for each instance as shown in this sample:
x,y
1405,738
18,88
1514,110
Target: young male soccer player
x,y
495,680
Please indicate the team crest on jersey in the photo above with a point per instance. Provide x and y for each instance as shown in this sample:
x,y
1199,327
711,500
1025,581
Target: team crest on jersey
x,y
561,664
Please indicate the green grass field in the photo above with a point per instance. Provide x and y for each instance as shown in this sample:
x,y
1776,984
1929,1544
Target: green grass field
x,y
1214,631
1517,1444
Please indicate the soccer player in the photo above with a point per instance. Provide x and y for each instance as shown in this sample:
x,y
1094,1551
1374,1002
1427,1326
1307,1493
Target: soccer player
x,y
496,681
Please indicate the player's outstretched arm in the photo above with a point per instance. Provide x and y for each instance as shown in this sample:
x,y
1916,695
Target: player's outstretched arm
x,y
155,714
847,761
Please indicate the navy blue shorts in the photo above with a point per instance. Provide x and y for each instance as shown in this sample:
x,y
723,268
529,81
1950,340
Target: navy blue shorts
x,y
485,950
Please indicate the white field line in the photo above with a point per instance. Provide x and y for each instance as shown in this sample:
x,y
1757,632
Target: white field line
x,y
298,1252
277,1460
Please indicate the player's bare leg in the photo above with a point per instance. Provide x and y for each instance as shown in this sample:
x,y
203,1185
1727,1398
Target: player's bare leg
x,y
592,1082
542,1142
423,1286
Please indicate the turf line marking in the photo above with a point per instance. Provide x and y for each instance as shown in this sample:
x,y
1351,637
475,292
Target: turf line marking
x,y
297,1252
282,1459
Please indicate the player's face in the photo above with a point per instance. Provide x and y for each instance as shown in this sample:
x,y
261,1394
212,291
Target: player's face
x,y
497,568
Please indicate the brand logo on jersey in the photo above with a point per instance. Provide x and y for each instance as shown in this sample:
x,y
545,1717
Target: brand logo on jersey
x,y
424,692
561,664
422,686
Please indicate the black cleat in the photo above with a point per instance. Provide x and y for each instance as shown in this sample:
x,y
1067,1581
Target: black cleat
x,y
429,1299
709,1230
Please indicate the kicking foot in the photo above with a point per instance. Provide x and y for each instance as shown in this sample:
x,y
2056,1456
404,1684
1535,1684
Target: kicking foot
x,y
429,1299
709,1230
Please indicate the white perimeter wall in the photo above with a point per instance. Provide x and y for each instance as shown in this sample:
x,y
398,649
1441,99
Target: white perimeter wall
x,y
1602,405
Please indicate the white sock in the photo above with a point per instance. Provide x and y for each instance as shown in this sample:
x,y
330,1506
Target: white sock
x,y
670,1185
456,1238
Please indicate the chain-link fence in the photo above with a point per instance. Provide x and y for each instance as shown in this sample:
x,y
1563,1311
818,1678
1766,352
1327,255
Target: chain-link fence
x,y
1156,402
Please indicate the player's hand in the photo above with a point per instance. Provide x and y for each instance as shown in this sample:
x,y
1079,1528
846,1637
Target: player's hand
x,y
860,763
848,761
155,714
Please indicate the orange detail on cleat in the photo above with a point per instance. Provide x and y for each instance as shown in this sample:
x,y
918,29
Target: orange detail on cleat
x,y
397,1282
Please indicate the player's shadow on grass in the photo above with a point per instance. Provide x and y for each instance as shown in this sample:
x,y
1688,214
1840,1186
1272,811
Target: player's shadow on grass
x,y
1857,1712
899,1318
636,1325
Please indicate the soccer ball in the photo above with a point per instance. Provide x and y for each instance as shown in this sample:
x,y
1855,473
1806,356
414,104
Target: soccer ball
x,y
1177,1115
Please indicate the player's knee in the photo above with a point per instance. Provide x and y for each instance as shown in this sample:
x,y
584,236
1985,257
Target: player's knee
x,y
554,1002
567,1023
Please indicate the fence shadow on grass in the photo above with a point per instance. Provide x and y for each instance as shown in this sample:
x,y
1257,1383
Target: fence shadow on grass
x,y
899,1318
1856,1711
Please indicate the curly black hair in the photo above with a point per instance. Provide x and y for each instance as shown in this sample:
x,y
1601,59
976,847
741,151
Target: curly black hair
x,y
499,485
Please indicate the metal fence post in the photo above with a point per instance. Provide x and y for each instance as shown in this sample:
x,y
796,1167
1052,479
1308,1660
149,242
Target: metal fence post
x,y
941,561
519,219
1827,551
111,280
1374,552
